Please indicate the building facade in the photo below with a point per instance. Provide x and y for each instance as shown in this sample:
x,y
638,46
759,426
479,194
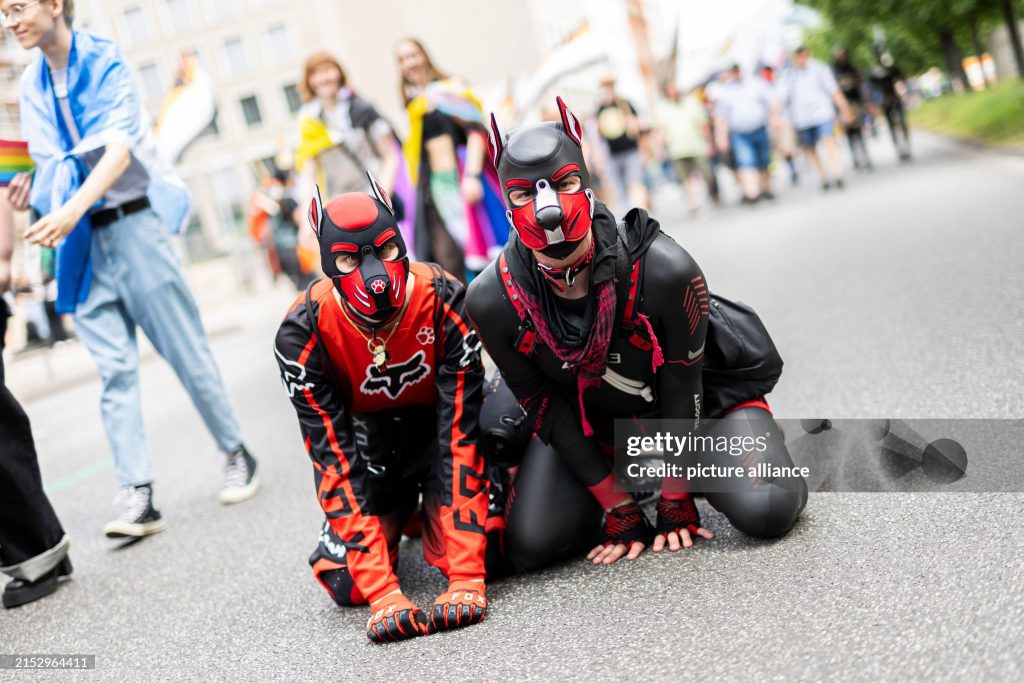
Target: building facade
x,y
254,50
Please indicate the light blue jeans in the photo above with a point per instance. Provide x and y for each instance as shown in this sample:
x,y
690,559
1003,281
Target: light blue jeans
x,y
137,280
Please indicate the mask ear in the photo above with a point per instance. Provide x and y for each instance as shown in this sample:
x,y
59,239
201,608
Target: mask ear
x,y
495,143
570,123
378,192
316,210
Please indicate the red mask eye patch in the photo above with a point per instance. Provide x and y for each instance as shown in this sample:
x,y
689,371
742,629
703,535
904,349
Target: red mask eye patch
x,y
564,171
518,182
344,246
388,234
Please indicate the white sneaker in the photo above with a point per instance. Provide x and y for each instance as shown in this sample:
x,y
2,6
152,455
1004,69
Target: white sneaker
x,y
241,478
138,516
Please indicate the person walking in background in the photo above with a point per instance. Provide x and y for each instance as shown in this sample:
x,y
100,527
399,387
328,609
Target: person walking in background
x,y
460,216
619,127
339,135
887,81
743,111
33,545
812,96
116,267
684,123
44,326
852,84
783,136
272,225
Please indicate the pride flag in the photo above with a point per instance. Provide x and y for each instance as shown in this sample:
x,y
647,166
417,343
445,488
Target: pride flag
x,y
14,159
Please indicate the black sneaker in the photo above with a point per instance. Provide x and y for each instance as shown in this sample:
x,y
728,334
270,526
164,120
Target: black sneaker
x,y
20,592
138,518
825,187
241,478
840,185
767,195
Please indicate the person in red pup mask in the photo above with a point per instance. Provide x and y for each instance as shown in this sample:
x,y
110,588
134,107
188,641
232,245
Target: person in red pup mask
x,y
590,320
385,376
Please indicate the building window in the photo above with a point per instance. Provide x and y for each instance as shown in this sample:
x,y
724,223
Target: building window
x,y
151,85
135,22
291,94
222,9
251,111
234,52
178,12
279,44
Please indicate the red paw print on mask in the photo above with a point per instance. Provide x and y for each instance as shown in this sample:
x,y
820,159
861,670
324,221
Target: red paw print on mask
x,y
378,286
425,336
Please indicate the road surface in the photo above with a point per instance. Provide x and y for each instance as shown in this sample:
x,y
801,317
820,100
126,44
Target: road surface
x,y
898,297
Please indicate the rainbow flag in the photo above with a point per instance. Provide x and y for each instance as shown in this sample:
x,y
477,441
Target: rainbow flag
x,y
14,159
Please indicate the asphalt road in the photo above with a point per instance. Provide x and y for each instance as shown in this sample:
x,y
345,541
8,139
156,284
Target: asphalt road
x,y
898,297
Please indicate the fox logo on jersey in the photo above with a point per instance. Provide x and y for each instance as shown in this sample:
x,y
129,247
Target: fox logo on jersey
x,y
292,377
395,377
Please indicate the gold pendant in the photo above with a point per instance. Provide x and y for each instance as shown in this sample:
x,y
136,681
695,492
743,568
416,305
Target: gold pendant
x,y
378,349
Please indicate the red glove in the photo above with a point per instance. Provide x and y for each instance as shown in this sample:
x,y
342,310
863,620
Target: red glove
x,y
627,524
676,515
394,618
463,605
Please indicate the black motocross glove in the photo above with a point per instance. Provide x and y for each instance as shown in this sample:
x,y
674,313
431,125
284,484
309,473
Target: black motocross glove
x,y
676,514
463,604
394,618
626,524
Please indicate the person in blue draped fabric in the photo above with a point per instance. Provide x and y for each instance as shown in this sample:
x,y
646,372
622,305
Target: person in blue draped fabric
x,y
109,204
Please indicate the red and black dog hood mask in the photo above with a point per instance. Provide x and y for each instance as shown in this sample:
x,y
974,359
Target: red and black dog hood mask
x,y
537,156
358,224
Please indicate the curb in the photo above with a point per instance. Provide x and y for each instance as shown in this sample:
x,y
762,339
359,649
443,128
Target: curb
x,y
974,143
88,373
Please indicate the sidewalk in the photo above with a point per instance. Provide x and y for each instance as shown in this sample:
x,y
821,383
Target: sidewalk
x,y
232,293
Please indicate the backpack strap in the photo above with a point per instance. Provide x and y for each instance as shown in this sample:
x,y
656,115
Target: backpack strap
x,y
629,313
525,338
314,325
441,288
629,299
632,330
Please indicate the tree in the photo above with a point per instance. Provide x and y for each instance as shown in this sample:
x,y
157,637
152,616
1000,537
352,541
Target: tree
x,y
919,33
1010,16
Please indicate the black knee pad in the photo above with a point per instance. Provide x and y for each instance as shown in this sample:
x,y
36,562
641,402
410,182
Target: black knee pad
x,y
328,564
552,515
339,585
759,508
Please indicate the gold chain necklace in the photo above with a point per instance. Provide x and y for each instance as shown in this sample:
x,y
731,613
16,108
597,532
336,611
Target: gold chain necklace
x,y
377,347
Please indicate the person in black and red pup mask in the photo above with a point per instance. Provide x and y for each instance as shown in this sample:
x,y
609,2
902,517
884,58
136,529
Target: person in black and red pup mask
x,y
590,320
385,375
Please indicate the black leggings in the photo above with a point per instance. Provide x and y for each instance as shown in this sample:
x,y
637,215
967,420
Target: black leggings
x,y
552,516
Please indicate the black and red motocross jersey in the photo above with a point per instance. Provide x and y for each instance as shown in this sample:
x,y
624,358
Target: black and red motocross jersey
x,y
433,361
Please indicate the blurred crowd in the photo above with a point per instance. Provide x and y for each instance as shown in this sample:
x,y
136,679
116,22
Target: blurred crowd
x,y
737,127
